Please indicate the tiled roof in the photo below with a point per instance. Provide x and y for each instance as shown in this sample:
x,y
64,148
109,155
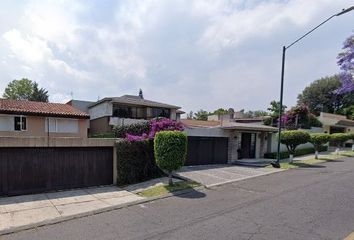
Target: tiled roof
x,y
8,106
199,123
227,125
135,100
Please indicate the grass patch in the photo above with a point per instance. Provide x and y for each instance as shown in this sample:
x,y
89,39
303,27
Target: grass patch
x,y
308,163
165,189
347,153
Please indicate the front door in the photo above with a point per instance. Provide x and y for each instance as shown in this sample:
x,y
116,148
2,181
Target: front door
x,y
248,145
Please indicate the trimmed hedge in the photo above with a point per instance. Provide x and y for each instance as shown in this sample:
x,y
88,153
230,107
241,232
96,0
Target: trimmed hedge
x,y
298,152
136,162
339,139
133,129
170,148
294,138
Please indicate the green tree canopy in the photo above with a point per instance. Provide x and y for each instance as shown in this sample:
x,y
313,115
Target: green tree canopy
x,y
201,115
274,108
320,96
25,89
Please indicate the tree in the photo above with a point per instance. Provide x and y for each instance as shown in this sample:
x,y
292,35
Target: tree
x,y
170,149
351,137
219,111
293,138
346,64
201,115
190,115
25,89
274,108
318,140
300,117
321,96
39,94
338,139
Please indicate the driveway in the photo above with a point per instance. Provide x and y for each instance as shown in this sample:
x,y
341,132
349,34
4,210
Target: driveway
x,y
214,175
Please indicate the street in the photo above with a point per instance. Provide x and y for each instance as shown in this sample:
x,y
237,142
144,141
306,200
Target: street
x,y
308,203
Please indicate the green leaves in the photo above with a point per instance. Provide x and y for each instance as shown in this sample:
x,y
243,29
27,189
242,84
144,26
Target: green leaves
x,y
318,139
170,148
25,89
294,138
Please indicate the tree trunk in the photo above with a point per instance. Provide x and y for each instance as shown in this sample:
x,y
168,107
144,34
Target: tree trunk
x,y
353,146
316,154
337,150
170,182
291,158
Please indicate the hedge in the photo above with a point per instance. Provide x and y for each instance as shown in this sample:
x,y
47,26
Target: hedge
x,y
298,152
133,129
170,148
135,162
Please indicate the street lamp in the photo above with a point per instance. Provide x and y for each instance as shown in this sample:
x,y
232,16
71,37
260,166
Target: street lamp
x,y
276,164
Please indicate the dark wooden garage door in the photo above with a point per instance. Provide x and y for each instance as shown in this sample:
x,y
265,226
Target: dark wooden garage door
x,y
33,170
207,150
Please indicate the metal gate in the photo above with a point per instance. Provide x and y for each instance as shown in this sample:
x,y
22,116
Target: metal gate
x,y
207,150
33,170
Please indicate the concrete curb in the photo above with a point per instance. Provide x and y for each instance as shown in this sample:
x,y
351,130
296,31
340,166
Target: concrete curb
x,y
94,212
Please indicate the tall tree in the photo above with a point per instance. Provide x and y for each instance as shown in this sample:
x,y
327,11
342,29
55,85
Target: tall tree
x,y
25,89
274,108
220,111
39,94
346,64
321,95
201,115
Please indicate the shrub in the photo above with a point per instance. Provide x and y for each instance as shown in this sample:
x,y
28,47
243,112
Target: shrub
x,y
338,138
318,140
170,148
293,138
298,152
132,129
103,135
135,162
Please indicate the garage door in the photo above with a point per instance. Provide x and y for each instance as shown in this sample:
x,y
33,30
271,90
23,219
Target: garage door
x,y
207,150
33,170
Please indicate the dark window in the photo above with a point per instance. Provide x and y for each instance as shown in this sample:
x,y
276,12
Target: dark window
x,y
122,111
20,124
129,112
160,112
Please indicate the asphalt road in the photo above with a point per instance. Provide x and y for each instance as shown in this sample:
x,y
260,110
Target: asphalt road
x,y
311,203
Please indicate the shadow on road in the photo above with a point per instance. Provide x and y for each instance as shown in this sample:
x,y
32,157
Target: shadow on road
x,y
192,194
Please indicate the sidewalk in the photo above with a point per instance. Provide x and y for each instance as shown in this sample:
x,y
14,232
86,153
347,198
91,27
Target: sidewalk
x,y
30,209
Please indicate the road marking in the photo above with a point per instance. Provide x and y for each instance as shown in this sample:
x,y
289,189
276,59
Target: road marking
x,y
350,237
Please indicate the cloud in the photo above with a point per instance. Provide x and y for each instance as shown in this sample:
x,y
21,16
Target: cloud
x,y
196,54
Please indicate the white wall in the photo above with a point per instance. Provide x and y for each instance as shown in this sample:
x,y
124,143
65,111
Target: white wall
x,y
116,121
6,123
101,110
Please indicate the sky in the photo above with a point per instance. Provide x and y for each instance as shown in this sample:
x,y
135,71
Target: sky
x,y
197,54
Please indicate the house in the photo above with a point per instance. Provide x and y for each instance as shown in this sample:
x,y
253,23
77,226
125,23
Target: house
x,y
125,110
334,123
214,142
34,119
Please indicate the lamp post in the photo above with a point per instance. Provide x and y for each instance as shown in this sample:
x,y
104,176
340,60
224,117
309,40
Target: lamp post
x,y
276,164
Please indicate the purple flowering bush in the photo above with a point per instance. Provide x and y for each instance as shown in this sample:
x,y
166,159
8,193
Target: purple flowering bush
x,y
156,125
346,64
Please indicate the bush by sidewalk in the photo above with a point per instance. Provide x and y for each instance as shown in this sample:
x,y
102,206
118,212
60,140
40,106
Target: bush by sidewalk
x,y
298,152
136,162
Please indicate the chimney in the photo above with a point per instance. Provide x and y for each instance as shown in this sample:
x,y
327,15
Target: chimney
x,y
141,94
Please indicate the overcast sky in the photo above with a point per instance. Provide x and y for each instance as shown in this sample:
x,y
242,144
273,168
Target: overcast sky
x,y
201,54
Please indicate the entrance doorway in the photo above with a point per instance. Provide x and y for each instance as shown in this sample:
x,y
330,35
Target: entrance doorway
x,y
248,145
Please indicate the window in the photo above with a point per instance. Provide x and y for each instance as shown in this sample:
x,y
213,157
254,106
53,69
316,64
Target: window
x,y
20,123
160,112
57,125
129,112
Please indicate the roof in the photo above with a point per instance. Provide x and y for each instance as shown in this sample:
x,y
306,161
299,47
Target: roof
x,y
199,123
227,125
335,120
9,106
346,122
134,100
180,112
248,126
